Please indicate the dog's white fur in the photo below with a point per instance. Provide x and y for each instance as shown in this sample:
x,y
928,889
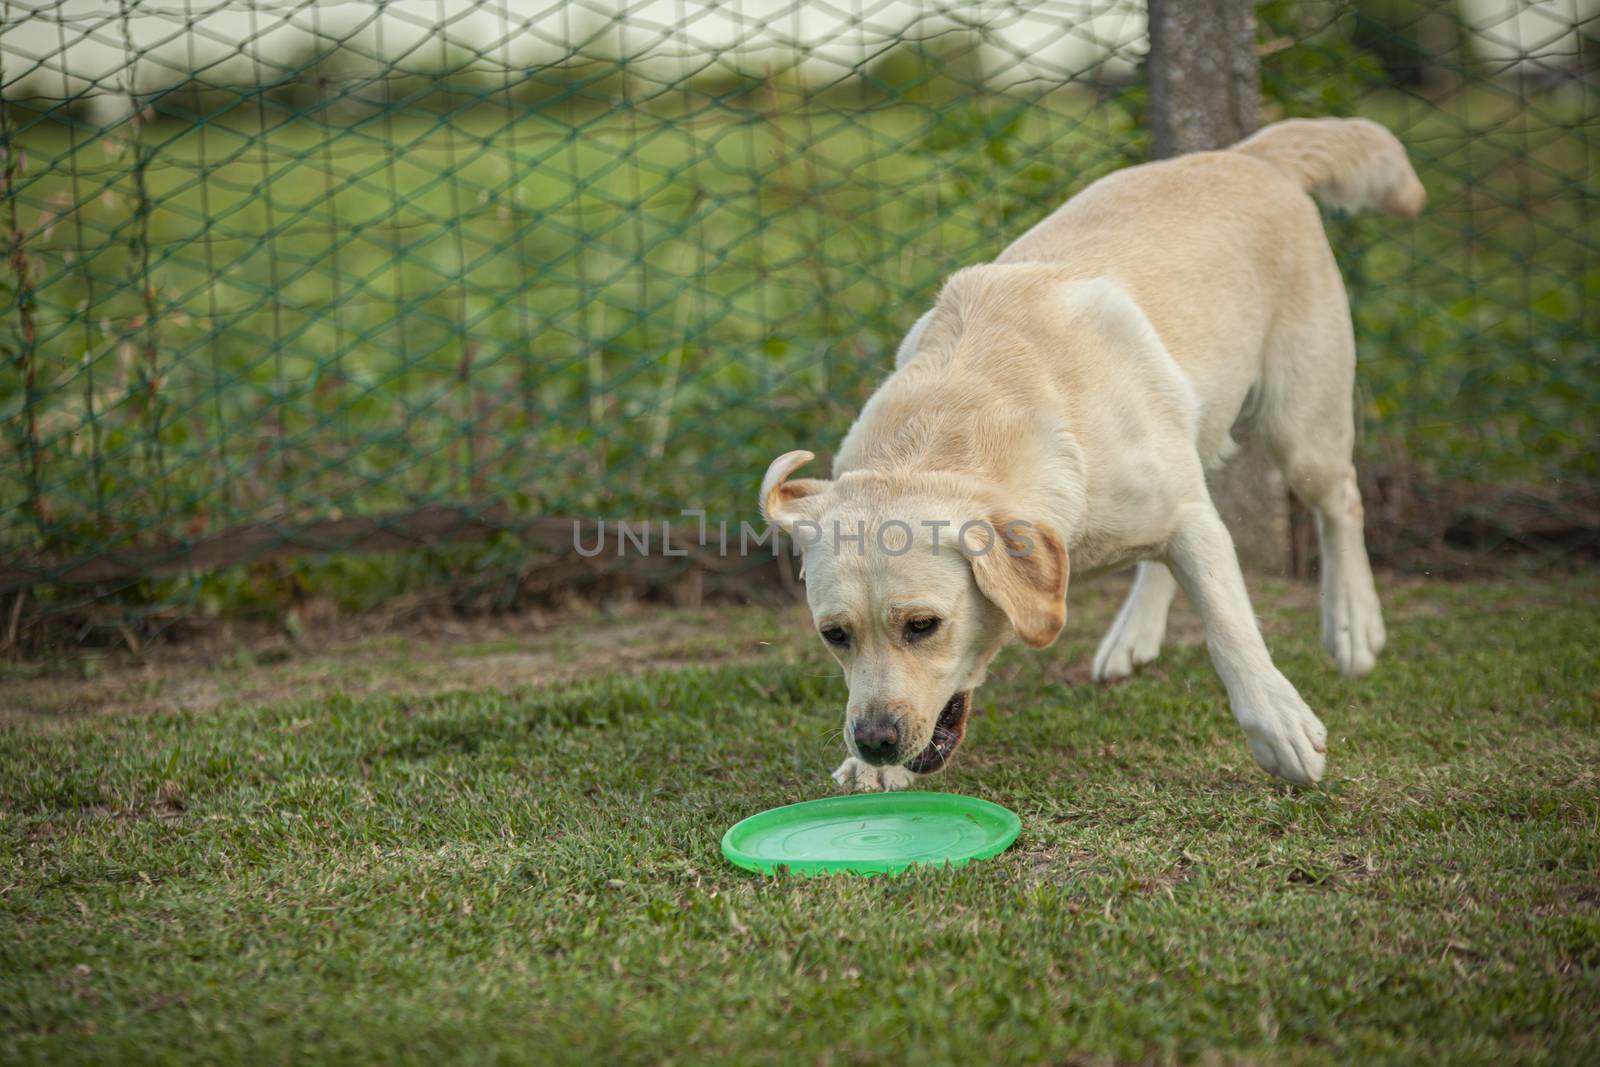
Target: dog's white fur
x,y
1077,389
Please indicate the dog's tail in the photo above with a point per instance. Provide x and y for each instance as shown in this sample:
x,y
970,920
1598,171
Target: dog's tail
x,y
1353,164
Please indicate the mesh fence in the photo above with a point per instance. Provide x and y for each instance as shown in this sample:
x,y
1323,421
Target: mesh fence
x,y
289,280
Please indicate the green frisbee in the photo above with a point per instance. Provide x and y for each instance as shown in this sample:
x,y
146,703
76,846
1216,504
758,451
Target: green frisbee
x,y
871,833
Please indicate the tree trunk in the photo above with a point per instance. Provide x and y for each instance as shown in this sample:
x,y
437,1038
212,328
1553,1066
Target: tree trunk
x,y
1204,94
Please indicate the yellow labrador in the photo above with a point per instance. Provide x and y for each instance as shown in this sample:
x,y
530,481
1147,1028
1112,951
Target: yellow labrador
x,y
1058,409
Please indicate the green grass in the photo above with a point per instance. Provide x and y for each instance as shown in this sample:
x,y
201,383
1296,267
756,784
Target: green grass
x,y
533,875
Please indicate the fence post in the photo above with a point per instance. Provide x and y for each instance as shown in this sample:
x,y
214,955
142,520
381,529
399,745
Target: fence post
x,y
1204,94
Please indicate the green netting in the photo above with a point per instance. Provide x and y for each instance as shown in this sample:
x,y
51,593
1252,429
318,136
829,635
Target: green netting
x,y
1477,323
280,264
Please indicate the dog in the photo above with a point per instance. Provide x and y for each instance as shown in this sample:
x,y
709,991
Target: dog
x,y
1057,411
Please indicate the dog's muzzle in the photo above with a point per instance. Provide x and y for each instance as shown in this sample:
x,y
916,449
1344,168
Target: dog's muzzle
x,y
947,734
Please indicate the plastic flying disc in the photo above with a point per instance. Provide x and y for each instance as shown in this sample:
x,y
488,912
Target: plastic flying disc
x,y
871,833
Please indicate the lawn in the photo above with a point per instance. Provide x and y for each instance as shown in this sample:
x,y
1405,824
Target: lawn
x,y
523,867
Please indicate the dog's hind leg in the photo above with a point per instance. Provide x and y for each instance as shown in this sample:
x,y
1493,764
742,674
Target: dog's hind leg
x,y
1135,636
1352,618
1309,422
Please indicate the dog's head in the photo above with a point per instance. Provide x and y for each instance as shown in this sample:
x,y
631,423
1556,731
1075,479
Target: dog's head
x,y
914,584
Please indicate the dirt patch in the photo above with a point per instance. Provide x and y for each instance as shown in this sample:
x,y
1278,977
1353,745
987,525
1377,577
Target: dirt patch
x,y
433,656
328,655
1467,529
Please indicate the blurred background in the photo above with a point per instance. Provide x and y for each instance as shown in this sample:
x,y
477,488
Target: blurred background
x,y
315,308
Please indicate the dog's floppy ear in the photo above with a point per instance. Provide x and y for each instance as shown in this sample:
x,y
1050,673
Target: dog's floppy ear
x,y
1022,569
781,499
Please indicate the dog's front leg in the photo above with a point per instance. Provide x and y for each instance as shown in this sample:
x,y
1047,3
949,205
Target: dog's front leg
x,y
863,777
1285,737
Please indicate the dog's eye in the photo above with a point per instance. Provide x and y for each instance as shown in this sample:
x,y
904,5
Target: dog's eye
x,y
918,628
835,636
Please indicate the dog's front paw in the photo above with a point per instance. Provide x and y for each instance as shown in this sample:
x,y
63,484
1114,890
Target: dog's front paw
x,y
1286,738
862,777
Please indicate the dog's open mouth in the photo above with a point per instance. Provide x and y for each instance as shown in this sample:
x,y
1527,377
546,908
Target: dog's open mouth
x,y
947,734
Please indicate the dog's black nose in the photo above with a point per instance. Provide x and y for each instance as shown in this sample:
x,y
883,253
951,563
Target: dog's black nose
x,y
878,740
